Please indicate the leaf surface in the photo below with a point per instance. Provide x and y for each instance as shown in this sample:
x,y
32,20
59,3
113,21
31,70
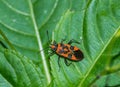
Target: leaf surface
x,y
25,22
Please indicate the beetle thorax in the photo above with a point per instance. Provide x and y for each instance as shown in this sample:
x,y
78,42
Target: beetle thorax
x,y
53,47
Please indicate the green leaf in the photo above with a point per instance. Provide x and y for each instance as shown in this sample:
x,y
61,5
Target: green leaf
x,y
111,80
107,70
3,82
18,71
25,22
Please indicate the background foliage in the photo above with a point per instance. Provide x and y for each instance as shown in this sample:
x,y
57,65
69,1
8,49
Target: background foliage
x,y
23,26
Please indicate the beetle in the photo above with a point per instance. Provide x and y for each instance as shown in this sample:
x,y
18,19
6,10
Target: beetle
x,y
66,51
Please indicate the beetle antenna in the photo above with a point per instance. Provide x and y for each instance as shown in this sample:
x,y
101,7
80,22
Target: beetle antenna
x,y
44,49
52,37
48,36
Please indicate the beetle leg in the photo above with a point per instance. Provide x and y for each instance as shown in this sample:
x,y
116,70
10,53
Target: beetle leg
x,y
3,44
62,41
59,61
52,53
73,41
66,62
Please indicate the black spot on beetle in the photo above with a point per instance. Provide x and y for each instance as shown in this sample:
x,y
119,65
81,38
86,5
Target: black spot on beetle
x,y
78,54
72,47
70,56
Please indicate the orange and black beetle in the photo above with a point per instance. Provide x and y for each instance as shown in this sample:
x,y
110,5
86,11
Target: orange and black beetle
x,y
67,51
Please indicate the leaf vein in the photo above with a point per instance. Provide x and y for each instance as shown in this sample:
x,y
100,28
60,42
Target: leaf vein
x,y
87,74
16,30
14,9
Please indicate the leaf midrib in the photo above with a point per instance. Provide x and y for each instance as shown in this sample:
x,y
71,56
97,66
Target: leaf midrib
x,y
39,42
87,74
